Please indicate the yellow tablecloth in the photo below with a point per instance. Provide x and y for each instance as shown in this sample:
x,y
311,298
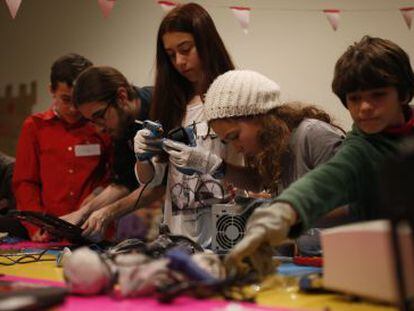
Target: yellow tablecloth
x,y
279,291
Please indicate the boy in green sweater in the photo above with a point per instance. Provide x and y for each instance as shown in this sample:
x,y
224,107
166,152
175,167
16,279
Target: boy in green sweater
x,y
375,82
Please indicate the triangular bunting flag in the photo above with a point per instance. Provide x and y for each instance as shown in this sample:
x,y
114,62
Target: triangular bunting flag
x,y
13,6
333,18
243,16
106,6
167,5
407,14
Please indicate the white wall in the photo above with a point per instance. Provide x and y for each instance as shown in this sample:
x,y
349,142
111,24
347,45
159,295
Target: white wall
x,y
289,40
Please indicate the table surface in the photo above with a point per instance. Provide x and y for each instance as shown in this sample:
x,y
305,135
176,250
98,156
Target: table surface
x,y
280,290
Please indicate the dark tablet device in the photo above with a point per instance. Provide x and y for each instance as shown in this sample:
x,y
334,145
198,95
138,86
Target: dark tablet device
x,y
17,295
55,226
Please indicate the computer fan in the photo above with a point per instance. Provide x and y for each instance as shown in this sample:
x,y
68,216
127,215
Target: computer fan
x,y
229,223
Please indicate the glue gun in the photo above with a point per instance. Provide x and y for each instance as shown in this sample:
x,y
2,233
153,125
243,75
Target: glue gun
x,y
156,132
187,136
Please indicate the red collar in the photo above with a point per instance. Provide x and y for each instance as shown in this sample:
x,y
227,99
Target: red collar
x,y
404,129
49,114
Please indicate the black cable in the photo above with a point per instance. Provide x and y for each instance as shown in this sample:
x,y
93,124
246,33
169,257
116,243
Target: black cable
x,y
139,196
25,258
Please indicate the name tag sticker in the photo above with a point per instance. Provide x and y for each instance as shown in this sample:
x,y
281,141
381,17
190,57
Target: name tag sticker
x,y
87,150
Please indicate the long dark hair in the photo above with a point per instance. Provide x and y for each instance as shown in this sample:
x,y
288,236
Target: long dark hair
x,y
173,91
100,83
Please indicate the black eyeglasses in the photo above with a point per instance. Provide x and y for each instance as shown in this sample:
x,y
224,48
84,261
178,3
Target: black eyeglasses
x,y
99,116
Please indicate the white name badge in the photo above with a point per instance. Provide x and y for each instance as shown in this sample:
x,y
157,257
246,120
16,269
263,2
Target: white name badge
x,y
87,150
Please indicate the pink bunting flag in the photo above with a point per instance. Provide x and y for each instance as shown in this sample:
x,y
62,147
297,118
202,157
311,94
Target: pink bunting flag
x,y
167,5
407,14
106,6
333,17
242,14
13,6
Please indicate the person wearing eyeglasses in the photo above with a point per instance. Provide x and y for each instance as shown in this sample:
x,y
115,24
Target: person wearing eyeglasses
x,y
106,99
61,160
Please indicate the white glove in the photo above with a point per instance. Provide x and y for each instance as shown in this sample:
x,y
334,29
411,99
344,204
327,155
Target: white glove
x,y
196,158
144,142
267,226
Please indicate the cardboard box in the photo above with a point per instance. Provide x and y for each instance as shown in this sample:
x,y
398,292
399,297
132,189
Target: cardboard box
x,y
359,260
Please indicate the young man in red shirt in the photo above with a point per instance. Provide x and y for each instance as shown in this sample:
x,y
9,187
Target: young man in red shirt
x,y
61,159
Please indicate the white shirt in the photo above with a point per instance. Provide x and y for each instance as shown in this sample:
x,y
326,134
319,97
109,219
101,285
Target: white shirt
x,y
188,201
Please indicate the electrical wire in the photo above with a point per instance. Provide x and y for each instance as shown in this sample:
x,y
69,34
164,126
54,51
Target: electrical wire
x,y
24,258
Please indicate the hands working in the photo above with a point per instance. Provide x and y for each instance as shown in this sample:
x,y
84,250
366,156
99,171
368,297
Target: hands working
x,y
268,226
196,158
95,226
77,217
93,223
145,142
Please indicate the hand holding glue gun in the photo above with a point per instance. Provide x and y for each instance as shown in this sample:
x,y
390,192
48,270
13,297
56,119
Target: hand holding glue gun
x,y
148,140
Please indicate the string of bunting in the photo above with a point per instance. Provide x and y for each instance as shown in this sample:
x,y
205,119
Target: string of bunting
x,y
241,13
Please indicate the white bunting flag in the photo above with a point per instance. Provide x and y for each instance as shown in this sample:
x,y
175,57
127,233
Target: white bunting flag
x,y
407,14
242,14
333,18
106,6
13,6
167,5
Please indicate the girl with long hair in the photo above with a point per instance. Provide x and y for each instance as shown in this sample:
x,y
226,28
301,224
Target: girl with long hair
x,y
190,55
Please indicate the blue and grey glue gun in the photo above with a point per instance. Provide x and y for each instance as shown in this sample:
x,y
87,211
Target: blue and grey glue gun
x,y
156,132
185,135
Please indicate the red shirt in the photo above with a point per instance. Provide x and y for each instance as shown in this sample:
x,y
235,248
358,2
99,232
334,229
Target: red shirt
x,y
58,164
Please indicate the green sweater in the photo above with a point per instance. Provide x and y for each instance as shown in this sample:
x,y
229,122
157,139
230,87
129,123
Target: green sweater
x,y
350,177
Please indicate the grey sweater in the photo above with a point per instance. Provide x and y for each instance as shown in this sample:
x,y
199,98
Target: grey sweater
x,y
351,176
312,143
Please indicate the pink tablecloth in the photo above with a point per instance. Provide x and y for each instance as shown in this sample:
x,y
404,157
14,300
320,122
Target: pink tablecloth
x,y
103,303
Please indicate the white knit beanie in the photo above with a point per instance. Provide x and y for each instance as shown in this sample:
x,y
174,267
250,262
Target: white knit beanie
x,y
240,93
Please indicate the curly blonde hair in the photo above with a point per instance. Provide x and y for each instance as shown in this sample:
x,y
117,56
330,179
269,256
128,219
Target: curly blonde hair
x,y
277,125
